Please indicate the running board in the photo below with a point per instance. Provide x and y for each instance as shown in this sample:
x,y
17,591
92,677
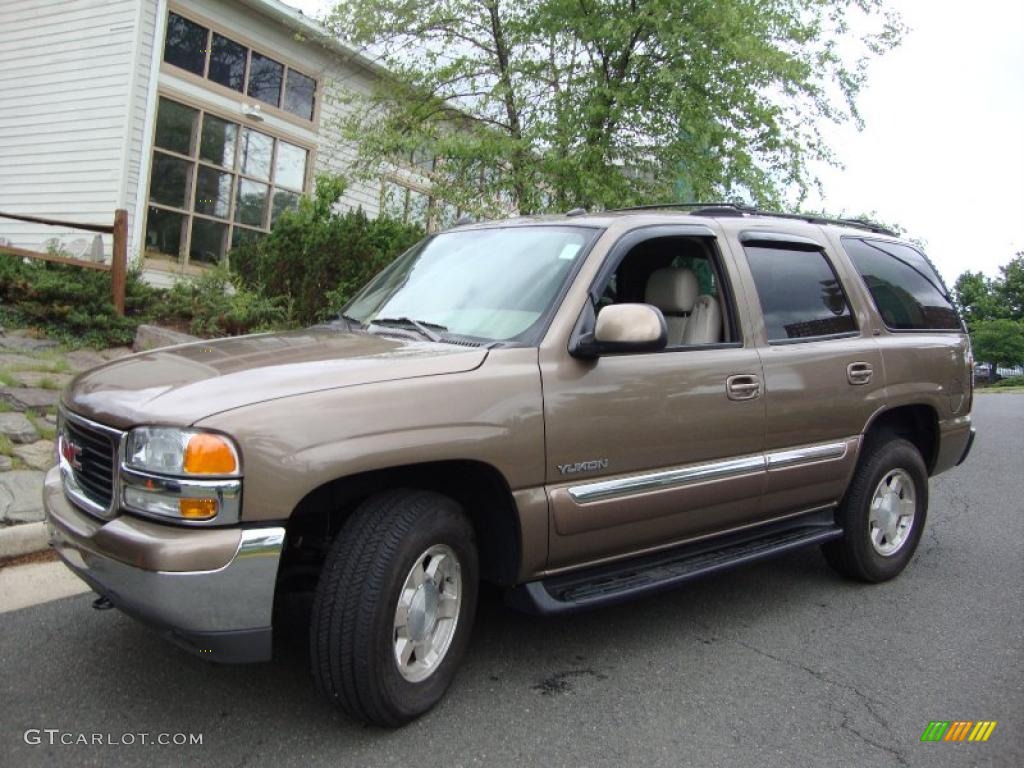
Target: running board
x,y
628,579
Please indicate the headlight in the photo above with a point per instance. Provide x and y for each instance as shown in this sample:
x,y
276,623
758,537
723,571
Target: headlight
x,y
182,474
172,451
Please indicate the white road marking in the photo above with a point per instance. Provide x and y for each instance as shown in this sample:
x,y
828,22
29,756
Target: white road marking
x,y
22,586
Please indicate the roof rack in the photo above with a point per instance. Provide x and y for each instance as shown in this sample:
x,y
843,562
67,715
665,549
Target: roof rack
x,y
725,208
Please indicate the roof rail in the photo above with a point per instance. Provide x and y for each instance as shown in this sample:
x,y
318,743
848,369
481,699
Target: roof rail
x,y
726,208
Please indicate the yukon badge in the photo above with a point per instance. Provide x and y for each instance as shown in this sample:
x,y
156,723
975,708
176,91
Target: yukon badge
x,y
583,466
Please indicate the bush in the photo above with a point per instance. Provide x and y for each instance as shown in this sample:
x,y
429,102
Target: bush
x,y
216,304
315,259
1010,381
71,304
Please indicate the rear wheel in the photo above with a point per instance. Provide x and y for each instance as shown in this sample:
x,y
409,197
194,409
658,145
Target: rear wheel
x,y
883,513
394,606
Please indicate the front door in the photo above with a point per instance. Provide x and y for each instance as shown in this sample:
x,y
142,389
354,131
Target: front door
x,y
648,449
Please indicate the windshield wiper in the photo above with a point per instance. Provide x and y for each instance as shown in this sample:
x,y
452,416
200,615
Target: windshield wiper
x,y
408,322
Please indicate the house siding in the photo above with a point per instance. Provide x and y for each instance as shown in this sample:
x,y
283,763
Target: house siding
x,y
65,74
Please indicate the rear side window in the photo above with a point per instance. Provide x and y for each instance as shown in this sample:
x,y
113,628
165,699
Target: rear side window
x,y
907,292
800,294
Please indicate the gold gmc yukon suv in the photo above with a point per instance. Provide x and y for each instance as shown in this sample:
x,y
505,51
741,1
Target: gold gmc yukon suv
x,y
580,409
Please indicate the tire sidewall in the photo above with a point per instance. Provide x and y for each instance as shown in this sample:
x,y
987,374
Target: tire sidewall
x,y
443,525
895,454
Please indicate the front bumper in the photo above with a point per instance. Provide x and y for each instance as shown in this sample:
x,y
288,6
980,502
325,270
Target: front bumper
x,y
210,591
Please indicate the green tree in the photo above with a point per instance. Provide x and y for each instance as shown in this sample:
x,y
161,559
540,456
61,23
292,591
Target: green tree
x,y
976,297
548,104
1009,287
998,341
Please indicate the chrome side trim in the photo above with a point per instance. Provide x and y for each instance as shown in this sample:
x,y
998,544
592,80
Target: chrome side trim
x,y
806,454
672,478
667,479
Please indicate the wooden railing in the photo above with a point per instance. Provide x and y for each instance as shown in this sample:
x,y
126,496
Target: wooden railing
x,y
118,267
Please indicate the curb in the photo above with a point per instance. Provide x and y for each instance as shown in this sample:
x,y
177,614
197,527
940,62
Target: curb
x,y
17,540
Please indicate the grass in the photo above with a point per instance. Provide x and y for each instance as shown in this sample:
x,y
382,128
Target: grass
x,y
7,379
6,446
45,429
998,390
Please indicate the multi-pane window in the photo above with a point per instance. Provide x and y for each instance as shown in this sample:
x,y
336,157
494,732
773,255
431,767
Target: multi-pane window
x,y
215,183
800,295
908,293
208,54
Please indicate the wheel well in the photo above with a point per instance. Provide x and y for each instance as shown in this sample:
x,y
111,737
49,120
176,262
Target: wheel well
x,y
917,423
479,488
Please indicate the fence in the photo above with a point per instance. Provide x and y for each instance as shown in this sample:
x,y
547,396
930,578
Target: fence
x,y
118,266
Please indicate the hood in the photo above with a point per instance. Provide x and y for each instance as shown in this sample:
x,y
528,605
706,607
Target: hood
x,y
180,385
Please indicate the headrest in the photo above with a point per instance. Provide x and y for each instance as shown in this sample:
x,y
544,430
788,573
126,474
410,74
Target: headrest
x,y
672,289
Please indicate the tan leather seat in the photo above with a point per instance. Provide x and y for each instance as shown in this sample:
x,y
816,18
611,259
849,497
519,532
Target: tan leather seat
x,y
673,290
704,326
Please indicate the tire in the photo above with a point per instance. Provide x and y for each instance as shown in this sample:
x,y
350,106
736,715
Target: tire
x,y
369,567
877,546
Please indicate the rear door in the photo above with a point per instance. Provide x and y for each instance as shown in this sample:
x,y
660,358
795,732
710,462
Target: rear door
x,y
823,372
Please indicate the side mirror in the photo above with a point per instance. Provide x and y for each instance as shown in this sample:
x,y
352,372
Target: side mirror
x,y
620,329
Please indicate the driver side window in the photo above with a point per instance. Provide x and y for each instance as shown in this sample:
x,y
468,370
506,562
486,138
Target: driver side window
x,y
682,277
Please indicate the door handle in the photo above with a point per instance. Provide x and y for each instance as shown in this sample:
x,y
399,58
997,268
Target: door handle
x,y
859,373
743,386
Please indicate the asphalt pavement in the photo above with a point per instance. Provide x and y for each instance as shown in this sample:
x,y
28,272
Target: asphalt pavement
x,y
781,664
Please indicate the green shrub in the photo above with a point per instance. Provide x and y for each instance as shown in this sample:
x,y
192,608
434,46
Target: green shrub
x,y
69,303
315,259
216,304
1009,381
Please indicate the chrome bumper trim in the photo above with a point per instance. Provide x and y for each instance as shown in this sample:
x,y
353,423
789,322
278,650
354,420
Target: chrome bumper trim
x,y
235,598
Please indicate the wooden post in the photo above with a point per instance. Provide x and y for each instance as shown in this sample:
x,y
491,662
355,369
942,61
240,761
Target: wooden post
x,y
119,265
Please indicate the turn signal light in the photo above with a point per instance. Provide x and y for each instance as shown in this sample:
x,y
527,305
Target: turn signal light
x,y
208,454
197,509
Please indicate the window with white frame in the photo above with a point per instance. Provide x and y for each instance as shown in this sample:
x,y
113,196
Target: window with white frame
x,y
215,183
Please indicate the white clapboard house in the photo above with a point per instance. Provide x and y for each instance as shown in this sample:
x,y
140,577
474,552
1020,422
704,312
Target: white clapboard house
x,y
204,119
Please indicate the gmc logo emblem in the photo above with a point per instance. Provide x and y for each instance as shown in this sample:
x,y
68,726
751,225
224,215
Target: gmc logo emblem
x,y
70,452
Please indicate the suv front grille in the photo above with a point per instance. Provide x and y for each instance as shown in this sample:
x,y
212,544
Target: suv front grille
x,y
98,458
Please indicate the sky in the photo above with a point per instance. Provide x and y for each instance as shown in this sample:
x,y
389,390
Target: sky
x,y
942,149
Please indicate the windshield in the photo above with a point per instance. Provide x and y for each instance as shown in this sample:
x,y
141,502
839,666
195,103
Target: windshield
x,y
492,284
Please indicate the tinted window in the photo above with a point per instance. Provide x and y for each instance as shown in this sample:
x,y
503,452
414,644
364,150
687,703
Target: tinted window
x,y
227,62
906,290
265,78
298,96
185,46
800,294
175,126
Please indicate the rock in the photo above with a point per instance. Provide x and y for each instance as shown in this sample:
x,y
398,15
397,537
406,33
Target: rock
x,y
38,455
30,399
21,361
17,428
51,418
115,353
6,464
84,359
26,344
153,336
21,496
36,378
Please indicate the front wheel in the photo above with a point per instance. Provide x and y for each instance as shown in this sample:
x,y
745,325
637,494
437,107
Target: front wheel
x,y
882,514
394,606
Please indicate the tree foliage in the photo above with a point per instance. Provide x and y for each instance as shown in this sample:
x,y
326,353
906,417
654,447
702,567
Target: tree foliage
x,y
998,341
994,311
610,102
